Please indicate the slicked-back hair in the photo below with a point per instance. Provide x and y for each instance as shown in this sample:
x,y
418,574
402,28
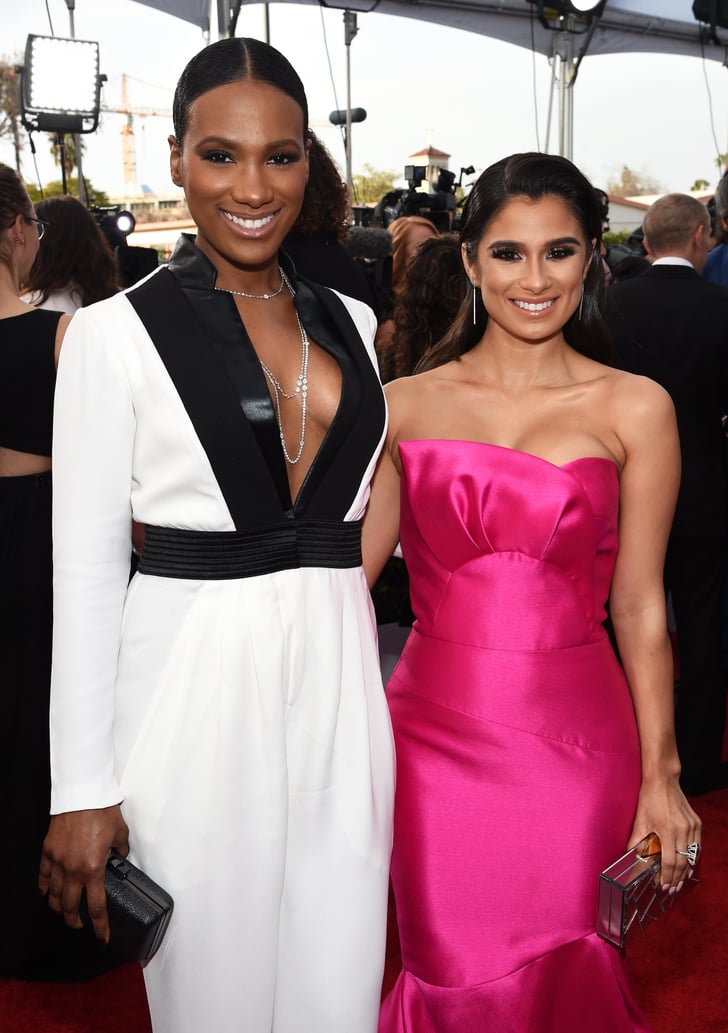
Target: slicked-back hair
x,y
229,61
531,175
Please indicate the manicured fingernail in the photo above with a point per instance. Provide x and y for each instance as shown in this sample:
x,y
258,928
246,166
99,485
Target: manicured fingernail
x,y
680,885
666,887
671,891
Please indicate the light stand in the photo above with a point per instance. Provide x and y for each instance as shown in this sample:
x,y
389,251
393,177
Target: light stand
x,y
60,89
570,15
350,31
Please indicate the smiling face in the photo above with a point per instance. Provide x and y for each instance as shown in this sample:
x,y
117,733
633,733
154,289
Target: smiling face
x,y
530,264
243,165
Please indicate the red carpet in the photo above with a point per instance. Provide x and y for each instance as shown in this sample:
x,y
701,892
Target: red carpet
x,y
678,966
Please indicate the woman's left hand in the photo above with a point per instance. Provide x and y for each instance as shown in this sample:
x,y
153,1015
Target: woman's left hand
x,y
663,808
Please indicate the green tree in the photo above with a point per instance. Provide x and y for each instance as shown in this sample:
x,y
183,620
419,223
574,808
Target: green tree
x,y
10,108
700,184
71,159
372,184
633,183
612,237
55,189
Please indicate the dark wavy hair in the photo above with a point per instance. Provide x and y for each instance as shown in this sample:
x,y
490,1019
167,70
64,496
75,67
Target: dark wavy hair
x,y
535,176
14,201
325,206
232,60
74,253
425,305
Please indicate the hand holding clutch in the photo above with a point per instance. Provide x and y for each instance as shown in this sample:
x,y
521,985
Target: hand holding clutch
x,y
630,895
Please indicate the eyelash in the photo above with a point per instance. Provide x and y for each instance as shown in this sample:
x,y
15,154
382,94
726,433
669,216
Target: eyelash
x,y
507,254
280,159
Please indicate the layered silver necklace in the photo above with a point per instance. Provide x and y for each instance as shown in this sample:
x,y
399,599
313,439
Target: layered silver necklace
x,y
301,387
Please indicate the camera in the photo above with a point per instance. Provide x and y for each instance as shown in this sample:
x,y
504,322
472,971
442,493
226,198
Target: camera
x,y
436,206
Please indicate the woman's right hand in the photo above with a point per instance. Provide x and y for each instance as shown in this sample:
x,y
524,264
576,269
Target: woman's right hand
x,y
75,852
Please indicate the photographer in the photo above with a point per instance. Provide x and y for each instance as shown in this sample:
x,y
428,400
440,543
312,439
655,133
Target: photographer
x,y
438,206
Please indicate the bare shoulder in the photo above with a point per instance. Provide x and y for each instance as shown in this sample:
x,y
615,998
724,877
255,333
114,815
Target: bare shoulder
x,y
637,394
641,409
414,390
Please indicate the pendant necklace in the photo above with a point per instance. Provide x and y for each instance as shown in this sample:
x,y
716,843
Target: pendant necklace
x,y
301,387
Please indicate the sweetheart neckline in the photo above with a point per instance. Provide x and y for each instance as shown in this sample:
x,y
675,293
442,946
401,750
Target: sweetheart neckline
x,y
516,451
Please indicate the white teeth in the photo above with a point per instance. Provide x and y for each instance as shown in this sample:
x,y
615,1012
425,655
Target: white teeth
x,y
533,306
248,224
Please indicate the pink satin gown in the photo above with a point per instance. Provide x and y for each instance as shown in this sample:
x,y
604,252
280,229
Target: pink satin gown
x,y
517,751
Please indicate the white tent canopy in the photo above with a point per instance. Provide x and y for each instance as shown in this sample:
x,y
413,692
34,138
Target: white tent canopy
x,y
658,26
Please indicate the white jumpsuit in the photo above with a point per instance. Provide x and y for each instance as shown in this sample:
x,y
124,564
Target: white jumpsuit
x,y
239,719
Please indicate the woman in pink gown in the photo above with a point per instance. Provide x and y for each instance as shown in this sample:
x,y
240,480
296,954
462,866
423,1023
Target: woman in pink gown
x,y
527,482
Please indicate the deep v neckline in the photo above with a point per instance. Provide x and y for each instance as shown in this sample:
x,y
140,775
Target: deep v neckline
x,y
259,410
183,327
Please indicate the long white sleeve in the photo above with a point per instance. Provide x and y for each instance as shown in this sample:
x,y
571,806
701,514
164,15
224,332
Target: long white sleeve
x,y
93,444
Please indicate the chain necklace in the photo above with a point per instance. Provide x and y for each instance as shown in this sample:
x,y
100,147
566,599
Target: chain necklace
x,y
301,387
257,297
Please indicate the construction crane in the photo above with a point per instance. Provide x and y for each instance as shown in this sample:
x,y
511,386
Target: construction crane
x,y
128,145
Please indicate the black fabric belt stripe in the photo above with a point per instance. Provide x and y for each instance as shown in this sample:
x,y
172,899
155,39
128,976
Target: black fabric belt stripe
x,y
222,555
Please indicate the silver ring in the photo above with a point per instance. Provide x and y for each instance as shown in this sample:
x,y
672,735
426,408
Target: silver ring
x,y
691,853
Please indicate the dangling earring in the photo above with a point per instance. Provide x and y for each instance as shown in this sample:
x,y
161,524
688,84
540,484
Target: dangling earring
x,y
581,303
475,306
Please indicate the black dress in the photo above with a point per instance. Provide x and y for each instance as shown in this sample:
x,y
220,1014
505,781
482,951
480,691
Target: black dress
x,y
34,942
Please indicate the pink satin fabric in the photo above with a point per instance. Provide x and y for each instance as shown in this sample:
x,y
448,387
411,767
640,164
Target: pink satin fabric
x,y
517,751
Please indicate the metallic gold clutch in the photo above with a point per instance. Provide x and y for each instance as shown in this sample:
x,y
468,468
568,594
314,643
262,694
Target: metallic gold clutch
x,y
630,897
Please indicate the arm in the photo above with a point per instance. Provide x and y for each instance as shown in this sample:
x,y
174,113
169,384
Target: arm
x,y
60,334
648,490
92,459
380,532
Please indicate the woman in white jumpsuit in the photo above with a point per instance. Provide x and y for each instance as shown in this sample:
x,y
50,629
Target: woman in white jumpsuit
x,y
222,715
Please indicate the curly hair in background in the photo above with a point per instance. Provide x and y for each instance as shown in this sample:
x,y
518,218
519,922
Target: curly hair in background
x,y
74,256
425,307
325,203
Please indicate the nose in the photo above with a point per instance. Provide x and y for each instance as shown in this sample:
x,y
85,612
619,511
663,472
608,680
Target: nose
x,y
535,276
251,185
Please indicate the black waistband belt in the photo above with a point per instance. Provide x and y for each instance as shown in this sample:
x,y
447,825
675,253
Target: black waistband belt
x,y
223,555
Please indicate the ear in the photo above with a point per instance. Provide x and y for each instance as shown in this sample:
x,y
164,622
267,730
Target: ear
x,y
471,269
308,152
175,159
17,229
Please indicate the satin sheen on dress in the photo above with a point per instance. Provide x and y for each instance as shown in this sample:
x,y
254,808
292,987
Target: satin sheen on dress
x,y
517,750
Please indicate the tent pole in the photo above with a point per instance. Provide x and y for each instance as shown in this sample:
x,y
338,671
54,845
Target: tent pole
x,y
350,31
566,93
82,195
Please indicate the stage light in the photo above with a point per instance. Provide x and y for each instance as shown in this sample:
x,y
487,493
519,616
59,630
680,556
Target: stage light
x,y
61,85
561,8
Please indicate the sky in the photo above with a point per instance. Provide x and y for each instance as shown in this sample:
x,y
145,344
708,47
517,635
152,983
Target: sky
x,y
475,98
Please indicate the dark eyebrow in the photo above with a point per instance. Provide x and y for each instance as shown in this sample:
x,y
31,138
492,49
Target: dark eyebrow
x,y
549,243
230,145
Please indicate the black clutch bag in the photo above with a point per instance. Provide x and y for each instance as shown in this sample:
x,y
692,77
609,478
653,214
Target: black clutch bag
x,y
139,911
629,895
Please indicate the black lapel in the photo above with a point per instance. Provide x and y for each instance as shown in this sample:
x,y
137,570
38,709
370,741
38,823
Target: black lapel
x,y
210,399
335,477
